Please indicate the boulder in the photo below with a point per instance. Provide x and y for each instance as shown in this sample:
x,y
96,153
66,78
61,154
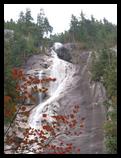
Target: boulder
x,y
63,53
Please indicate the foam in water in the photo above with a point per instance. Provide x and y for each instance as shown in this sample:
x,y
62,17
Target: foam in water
x,y
57,45
58,72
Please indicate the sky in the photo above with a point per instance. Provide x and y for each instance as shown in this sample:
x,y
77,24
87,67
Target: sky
x,y
59,15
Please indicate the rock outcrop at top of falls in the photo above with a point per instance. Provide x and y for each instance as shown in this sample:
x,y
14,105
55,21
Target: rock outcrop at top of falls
x,y
70,52
62,52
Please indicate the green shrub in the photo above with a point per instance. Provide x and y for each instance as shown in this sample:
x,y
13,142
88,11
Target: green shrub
x,y
111,145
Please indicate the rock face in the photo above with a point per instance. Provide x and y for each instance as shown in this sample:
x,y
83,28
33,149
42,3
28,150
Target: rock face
x,y
37,62
73,86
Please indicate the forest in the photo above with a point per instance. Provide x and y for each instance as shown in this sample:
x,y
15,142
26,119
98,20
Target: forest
x,y
25,37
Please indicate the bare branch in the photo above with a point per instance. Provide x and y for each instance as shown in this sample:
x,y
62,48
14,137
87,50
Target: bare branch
x,y
13,119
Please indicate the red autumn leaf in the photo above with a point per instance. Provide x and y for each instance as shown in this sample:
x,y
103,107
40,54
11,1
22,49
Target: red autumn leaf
x,y
71,125
71,115
61,143
40,90
43,81
30,78
76,107
23,78
42,132
75,133
81,125
83,118
28,82
78,150
30,96
38,81
39,134
23,108
54,79
57,148
69,144
48,128
44,115
43,137
14,73
46,79
42,141
74,121
60,118
18,87
52,146
7,113
74,111
20,73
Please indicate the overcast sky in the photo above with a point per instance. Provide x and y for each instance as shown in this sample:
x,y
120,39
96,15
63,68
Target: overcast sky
x,y
59,15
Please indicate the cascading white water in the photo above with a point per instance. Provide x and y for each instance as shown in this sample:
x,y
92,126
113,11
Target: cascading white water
x,y
58,71
57,45
39,86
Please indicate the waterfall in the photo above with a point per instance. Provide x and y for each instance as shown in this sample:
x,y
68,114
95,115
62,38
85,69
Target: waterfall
x,y
58,71
64,73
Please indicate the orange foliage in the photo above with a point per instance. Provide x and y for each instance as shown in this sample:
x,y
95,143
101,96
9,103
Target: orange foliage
x,y
69,122
17,73
47,127
7,99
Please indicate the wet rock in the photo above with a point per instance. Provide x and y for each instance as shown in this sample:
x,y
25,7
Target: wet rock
x,y
44,65
64,54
